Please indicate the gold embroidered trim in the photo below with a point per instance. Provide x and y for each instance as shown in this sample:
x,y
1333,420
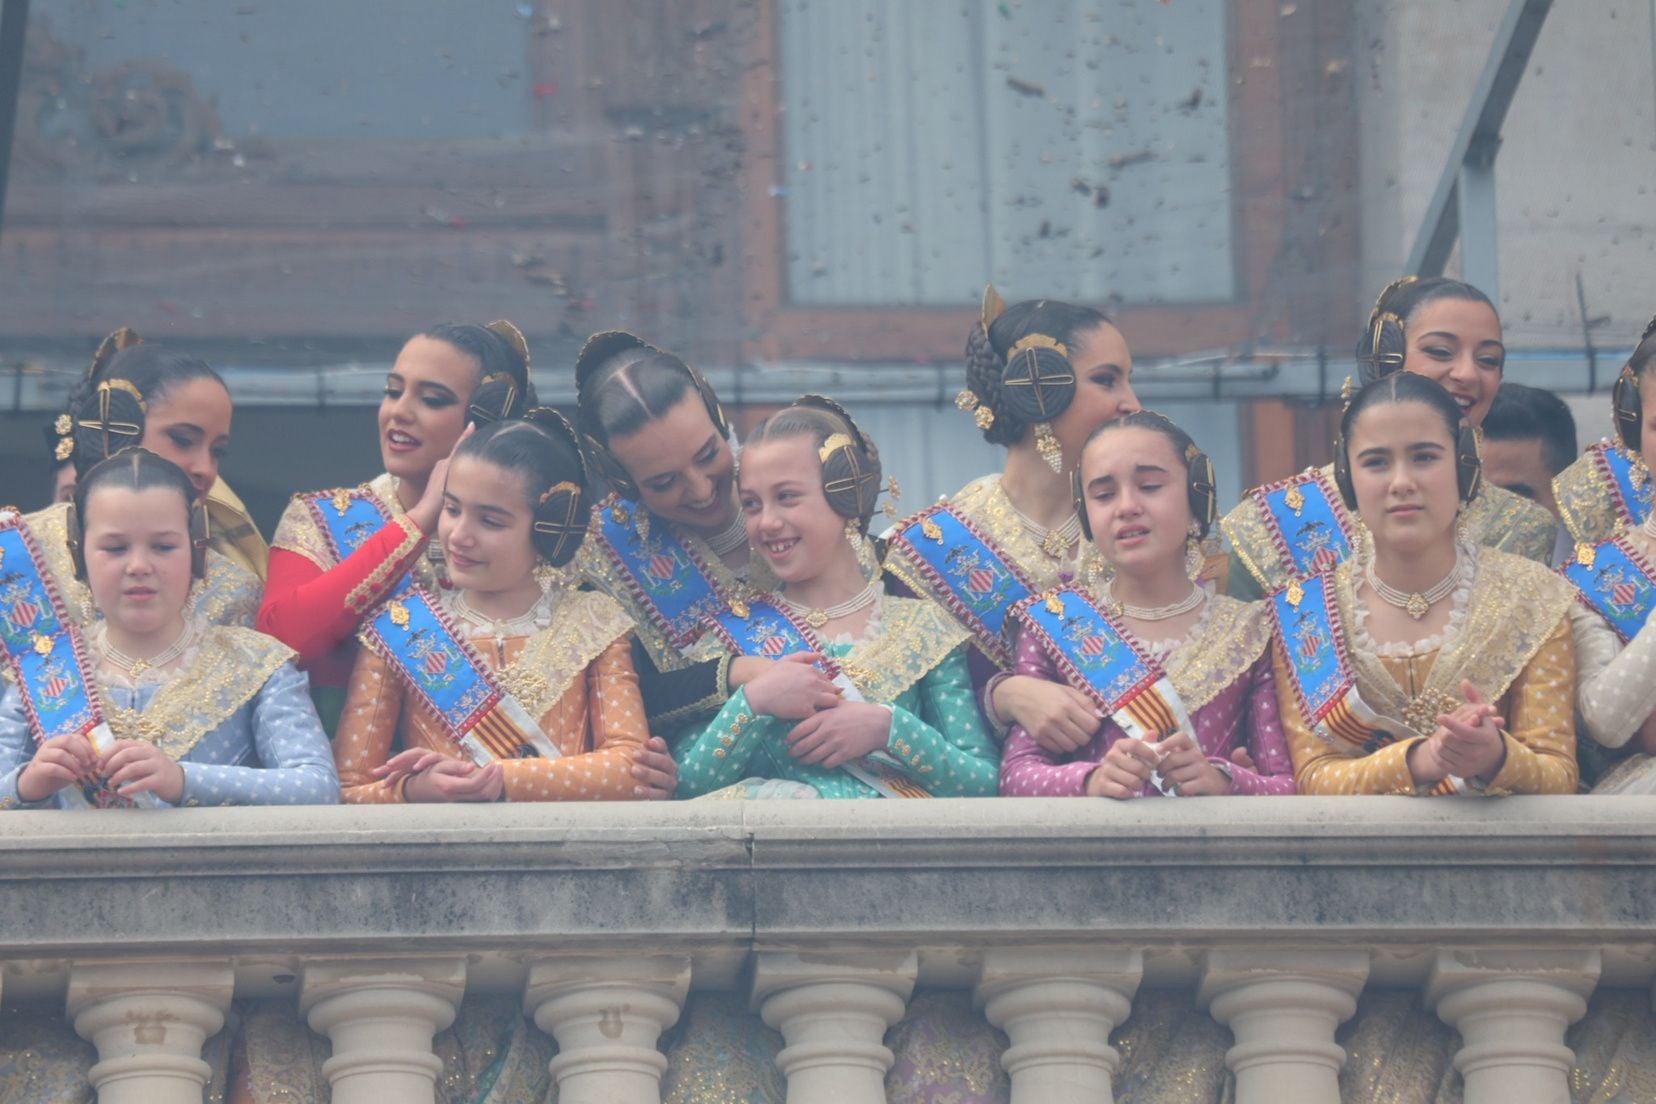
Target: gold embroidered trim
x,y
916,636
583,625
1586,501
1232,638
231,667
1514,607
388,570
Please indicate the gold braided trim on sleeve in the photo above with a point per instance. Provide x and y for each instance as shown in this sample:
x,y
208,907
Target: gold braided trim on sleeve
x,y
388,570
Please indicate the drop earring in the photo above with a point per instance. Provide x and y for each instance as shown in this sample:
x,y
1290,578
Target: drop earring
x,y
1046,443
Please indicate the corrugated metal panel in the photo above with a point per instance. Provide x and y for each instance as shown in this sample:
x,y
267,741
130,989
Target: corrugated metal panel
x,y
1059,148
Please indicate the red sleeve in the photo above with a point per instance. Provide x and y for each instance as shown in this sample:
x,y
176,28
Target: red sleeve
x,y
312,611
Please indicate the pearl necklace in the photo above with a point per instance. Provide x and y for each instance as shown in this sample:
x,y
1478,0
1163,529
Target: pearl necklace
x,y
730,539
1055,542
1158,613
816,618
132,667
1418,604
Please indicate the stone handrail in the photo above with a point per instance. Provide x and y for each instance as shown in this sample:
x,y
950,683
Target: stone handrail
x,y
1506,913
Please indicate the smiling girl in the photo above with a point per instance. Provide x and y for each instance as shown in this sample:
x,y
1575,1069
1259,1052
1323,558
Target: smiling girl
x,y
1203,689
669,544
1425,664
900,720
570,721
1437,328
177,407
192,713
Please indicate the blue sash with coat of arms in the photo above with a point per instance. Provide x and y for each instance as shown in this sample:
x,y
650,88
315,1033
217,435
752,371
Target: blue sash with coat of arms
x,y
44,653
417,639
1101,659
973,578
1309,524
1629,484
768,631
665,578
1614,580
413,634
1306,619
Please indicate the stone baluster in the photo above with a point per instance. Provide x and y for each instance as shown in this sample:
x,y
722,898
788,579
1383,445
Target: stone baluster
x,y
1058,1006
607,1014
833,1011
1511,1009
1283,1007
148,1021
381,1016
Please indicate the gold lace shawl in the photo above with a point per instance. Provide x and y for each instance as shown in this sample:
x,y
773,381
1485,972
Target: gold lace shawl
x,y
1497,519
233,531
1586,501
915,636
231,666
299,532
598,568
583,625
1231,640
229,595
1515,605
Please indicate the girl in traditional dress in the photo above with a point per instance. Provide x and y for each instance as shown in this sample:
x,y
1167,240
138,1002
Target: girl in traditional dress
x,y
569,720
1616,652
1448,332
903,722
337,553
177,407
1198,668
669,544
168,708
1040,377
1425,664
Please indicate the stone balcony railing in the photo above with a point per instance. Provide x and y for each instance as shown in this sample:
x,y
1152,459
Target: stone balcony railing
x,y
1505,914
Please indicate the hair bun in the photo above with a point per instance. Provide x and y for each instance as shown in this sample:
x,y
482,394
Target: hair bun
x,y
850,462
604,346
564,509
1039,380
123,338
106,421
1650,328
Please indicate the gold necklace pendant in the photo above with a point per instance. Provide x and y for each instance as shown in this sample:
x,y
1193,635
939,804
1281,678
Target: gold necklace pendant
x,y
1054,544
817,618
1417,606
138,667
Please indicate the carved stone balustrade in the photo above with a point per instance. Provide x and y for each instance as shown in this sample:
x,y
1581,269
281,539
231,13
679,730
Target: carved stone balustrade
x,y
1054,916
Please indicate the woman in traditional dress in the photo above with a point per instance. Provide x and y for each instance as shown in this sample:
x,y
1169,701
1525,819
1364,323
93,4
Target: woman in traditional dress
x,y
1446,331
1197,665
338,553
177,407
1616,652
669,544
1424,664
1040,377
153,705
902,722
570,721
